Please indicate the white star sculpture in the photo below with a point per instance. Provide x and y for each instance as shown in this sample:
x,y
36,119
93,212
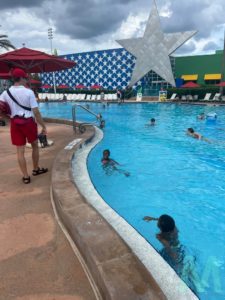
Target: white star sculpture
x,y
153,50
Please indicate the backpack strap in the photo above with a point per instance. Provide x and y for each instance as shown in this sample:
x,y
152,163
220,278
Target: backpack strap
x,y
11,96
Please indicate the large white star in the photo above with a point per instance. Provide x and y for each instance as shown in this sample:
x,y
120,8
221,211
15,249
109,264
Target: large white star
x,y
153,50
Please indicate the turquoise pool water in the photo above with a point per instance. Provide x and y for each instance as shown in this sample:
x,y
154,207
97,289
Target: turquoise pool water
x,y
170,173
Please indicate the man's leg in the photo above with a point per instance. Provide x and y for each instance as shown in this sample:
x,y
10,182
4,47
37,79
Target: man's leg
x,y
22,161
35,154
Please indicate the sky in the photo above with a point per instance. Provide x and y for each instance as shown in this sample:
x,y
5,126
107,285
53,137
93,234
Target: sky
x,y
88,25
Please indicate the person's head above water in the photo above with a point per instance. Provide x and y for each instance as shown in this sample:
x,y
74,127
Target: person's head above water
x,y
152,121
106,153
166,223
191,130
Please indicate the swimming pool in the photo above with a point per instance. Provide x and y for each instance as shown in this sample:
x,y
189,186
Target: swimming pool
x,y
170,173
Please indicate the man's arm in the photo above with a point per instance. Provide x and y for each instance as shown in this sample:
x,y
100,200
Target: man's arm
x,y
39,119
147,218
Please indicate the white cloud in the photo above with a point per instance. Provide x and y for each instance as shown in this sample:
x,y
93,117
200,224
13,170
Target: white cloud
x,y
84,25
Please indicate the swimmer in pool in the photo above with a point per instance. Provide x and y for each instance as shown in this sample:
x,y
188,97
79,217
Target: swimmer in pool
x,y
168,235
201,116
110,164
151,123
196,135
192,133
173,251
106,160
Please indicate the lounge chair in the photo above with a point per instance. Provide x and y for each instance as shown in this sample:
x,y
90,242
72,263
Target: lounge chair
x,y
189,98
195,98
114,97
75,97
216,97
207,97
88,98
93,97
183,98
173,97
110,97
83,96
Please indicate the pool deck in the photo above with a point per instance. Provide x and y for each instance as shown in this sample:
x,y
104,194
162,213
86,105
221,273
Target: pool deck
x,y
36,259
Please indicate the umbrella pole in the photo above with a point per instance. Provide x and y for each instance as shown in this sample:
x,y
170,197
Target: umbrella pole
x,y
54,83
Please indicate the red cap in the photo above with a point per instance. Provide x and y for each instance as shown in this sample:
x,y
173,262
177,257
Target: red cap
x,y
19,73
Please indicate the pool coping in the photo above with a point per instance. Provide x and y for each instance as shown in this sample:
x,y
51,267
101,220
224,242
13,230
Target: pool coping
x,y
118,271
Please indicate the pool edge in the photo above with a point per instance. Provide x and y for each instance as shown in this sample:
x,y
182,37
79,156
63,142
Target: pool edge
x,y
84,224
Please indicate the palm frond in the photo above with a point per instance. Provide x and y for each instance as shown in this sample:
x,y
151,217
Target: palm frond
x,y
5,43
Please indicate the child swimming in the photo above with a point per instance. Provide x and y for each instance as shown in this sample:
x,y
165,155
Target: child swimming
x,y
110,164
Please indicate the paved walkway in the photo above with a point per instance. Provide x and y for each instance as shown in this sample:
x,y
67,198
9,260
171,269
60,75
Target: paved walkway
x,y
36,261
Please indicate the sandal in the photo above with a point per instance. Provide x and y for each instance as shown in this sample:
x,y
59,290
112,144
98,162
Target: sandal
x,y
39,171
26,180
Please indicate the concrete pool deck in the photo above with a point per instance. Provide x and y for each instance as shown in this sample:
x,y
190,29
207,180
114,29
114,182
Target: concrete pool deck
x,y
36,260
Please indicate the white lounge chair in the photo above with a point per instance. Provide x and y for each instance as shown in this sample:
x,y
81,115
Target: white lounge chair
x,y
110,97
88,98
93,97
195,98
207,97
189,98
83,97
98,98
216,97
74,97
183,98
173,97
114,97
69,97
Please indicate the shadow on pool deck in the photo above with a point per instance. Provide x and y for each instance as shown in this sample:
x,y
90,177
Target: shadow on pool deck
x,y
36,260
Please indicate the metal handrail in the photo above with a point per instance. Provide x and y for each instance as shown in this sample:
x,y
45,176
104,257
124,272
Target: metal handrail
x,y
81,126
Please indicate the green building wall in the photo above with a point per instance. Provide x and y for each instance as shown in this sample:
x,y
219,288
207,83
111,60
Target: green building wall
x,y
200,64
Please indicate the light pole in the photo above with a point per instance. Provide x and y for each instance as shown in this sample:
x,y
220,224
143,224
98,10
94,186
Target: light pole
x,y
50,37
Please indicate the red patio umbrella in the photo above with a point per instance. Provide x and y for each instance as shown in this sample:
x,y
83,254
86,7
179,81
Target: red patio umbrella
x,y
33,61
190,84
34,81
63,86
5,75
96,87
46,86
221,83
80,86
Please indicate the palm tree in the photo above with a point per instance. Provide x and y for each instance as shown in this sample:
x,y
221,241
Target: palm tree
x,y
5,43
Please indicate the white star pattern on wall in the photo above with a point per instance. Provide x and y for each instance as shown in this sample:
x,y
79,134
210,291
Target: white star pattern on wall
x,y
112,69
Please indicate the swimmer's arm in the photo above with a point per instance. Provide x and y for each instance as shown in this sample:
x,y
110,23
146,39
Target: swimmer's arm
x,y
115,162
147,218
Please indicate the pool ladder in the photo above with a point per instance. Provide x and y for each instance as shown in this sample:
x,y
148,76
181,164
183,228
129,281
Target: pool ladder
x,y
82,126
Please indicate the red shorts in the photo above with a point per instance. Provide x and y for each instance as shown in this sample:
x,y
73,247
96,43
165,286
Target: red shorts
x,y
22,133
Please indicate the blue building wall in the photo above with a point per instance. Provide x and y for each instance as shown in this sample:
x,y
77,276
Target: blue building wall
x,y
112,69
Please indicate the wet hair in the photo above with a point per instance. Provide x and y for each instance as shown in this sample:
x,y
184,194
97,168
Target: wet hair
x,y
191,130
166,223
106,151
152,120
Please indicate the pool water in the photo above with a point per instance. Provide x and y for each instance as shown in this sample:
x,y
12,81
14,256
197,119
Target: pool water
x,y
170,173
